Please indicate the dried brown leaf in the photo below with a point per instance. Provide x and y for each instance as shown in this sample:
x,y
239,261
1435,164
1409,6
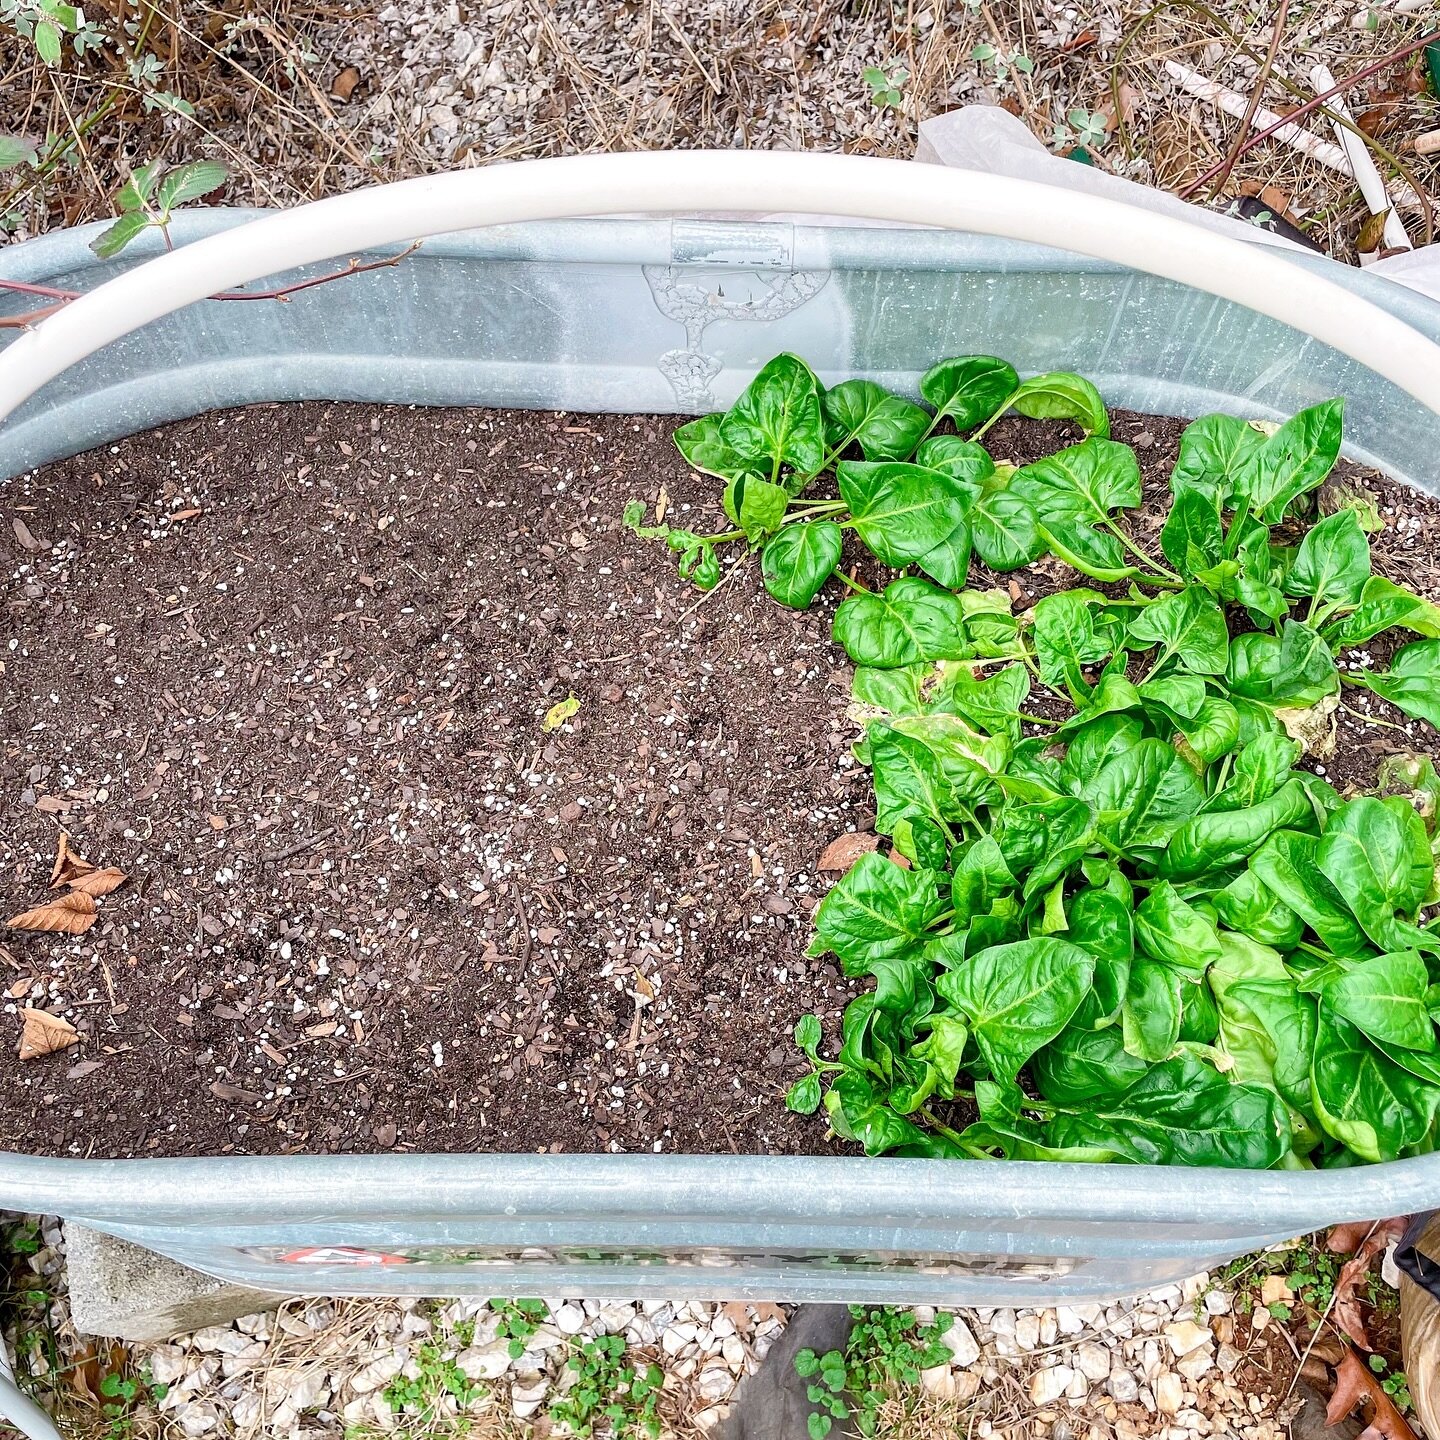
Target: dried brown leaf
x,y
738,1313
98,882
1355,1383
224,1090
1369,1244
343,86
68,865
24,536
44,1034
1372,233
71,914
844,850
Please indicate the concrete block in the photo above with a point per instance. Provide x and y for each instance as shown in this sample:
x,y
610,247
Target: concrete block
x,y
121,1290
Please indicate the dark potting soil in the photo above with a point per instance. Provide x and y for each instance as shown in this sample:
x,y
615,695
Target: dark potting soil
x,y
287,667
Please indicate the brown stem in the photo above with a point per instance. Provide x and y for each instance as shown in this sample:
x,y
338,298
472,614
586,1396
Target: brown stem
x,y
283,292
1257,91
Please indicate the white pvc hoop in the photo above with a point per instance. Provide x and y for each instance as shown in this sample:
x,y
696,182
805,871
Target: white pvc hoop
x,y
757,181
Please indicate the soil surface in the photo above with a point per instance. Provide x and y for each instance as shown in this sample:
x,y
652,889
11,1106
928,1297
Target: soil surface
x,y
288,668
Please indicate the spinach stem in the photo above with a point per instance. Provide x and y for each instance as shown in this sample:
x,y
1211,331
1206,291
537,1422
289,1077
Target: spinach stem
x,y
1237,526
976,435
853,584
1170,578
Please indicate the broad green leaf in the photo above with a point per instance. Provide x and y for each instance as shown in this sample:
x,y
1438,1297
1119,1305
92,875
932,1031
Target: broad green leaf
x,y
1213,732
1102,924
777,420
903,511
867,1119
1216,455
1113,695
1287,1020
1261,768
1191,539
1085,481
883,425
134,194
755,505
1384,997
969,389
1199,1019
1286,864
1333,561
1067,640
1187,625
1081,1063
808,1034
1383,604
1095,744
912,620
1363,1099
1176,696
1092,552
908,779
1005,529
1018,997
1294,669
1184,1112
48,42
943,1049
797,562
1173,932
1248,905
993,703
960,459
1042,840
110,242
1377,856
1061,395
1216,841
1294,460
189,182
1150,1015
1412,683
875,910
15,151
704,449
980,876
1142,796
804,1095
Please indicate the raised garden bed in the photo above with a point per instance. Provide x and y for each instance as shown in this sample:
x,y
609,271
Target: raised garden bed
x,y
290,668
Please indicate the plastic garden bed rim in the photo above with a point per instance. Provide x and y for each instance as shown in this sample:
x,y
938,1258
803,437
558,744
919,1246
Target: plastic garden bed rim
x,y
662,181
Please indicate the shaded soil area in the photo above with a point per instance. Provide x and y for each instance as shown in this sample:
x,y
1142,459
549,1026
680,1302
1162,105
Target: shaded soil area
x,y
289,667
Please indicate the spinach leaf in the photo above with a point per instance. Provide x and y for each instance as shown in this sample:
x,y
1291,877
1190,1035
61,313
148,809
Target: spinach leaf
x,y
960,459
968,389
903,511
1412,683
1214,841
1261,767
704,449
1377,856
1150,1015
1186,625
1286,863
1363,1099
1191,538
1081,1063
1294,460
1018,997
1217,453
912,620
1213,731
1383,604
1172,931
1384,998
1249,906
1101,923
1184,1112
859,1113
796,563
1067,639
777,420
1095,744
1333,561
1063,396
1005,529
1293,669
875,910
993,704
864,413
908,780
1142,796
755,505
1072,492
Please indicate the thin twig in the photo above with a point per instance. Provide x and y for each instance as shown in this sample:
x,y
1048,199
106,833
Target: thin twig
x,y
1257,91
276,856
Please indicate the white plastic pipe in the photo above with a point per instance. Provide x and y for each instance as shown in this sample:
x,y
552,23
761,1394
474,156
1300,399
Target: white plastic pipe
x,y
1367,177
756,181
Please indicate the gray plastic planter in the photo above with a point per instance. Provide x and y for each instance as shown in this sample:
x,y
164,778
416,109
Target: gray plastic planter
x,y
646,315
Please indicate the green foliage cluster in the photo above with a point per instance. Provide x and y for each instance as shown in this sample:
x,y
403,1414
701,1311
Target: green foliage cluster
x,y
1199,953
519,1320
437,1375
887,1348
611,1393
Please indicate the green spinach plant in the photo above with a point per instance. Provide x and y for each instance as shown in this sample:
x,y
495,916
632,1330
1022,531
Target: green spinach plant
x,y
1145,934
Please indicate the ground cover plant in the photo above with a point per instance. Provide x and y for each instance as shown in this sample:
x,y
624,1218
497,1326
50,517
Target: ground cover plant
x,y
1143,934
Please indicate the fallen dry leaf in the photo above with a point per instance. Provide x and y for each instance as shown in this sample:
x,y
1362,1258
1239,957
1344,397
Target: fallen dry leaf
x,y
1371,235
844,850
1355,1382
662,504
26,539
68,865
343,86
44,1034
1368,1240
559,713
98,882
71,914
738,1313
224,1090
